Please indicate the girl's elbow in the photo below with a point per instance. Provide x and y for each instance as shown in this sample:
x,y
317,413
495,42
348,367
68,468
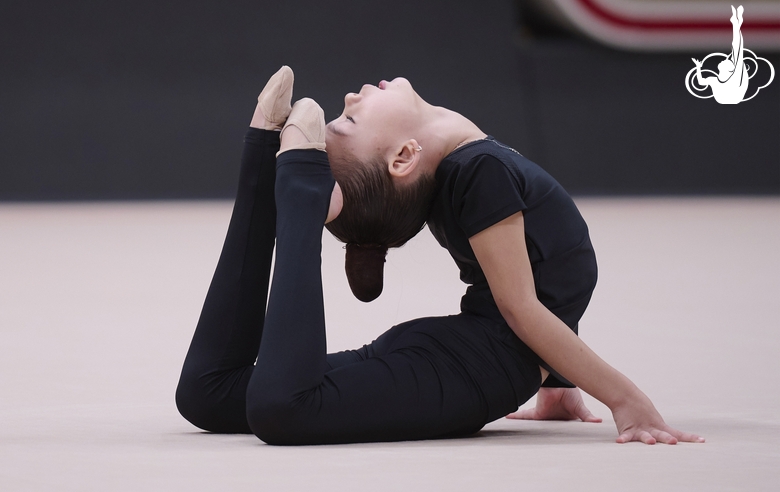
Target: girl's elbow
x,y
520,315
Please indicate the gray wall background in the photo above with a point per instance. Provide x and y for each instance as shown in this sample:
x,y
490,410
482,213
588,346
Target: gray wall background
x,y
150,100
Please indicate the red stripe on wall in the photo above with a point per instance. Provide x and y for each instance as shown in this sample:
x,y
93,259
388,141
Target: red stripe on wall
x,y
689,24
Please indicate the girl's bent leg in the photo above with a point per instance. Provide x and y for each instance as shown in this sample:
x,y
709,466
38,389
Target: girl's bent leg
x,y
292,357
212,389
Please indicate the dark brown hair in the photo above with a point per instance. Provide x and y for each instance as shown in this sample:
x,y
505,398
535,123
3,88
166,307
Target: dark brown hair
x,y
376,215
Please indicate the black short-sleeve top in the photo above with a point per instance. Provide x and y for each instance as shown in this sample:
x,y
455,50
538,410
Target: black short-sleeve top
x,y
484,182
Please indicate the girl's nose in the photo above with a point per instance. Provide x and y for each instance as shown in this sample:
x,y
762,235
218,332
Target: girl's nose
x,y
351,98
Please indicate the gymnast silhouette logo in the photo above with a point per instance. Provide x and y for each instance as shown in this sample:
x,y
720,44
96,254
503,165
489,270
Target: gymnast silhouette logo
x,y
735,70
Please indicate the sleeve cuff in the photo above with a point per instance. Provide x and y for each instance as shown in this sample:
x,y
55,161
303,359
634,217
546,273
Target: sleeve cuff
x,y
555,380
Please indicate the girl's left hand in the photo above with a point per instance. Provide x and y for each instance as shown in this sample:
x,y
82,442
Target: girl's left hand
x,y
557,404
638,420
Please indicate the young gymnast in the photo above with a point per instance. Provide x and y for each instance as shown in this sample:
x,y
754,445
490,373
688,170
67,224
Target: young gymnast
x,y
393,163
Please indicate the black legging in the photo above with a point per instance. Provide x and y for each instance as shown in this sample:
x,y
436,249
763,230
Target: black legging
x,y
425,378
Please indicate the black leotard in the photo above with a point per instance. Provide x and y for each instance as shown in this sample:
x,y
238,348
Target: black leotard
x,y
484,182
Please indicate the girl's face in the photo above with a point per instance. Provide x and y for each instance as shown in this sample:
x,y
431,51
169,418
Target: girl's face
x,y
374,122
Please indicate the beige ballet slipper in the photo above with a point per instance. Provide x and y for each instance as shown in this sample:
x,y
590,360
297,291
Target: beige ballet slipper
x,y
308,117
274,101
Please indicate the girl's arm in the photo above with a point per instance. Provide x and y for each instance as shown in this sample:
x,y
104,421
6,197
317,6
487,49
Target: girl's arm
x,y
501,252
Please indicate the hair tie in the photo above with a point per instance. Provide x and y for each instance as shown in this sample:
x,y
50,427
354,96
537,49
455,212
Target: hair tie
x,y
368,246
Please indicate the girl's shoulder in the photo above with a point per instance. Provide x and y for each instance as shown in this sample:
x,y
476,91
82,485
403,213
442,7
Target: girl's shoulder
x,y
489,155
483,146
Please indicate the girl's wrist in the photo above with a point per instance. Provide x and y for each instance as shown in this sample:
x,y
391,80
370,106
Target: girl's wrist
x,y
624,394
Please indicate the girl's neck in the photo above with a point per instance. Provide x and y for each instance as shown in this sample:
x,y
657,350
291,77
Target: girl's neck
x,y
447,130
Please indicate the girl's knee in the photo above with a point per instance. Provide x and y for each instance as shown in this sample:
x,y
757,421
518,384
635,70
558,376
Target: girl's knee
x,y
276,420
193,402
208,408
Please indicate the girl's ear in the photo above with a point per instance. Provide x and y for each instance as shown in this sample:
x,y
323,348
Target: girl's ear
x,y
405,160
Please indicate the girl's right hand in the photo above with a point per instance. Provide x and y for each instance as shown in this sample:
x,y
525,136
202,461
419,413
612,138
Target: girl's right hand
x,y
557,404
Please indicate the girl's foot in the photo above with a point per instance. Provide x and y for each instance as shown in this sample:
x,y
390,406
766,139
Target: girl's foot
x,y
305,127
273,103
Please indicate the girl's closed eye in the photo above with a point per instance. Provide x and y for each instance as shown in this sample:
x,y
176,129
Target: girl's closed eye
x,y
350,119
